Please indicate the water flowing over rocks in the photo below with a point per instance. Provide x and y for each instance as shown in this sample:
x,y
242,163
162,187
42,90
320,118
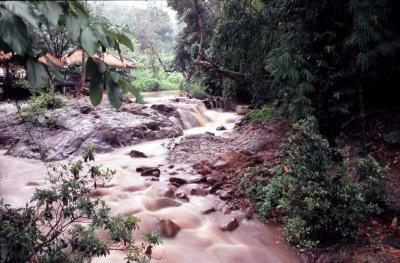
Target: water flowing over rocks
x,y
202,228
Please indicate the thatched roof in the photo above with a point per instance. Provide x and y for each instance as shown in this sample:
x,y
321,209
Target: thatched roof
x,y
49,57
5,57
75,57
43,59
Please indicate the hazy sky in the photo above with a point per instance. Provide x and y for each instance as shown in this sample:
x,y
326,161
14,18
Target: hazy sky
x,y
146,4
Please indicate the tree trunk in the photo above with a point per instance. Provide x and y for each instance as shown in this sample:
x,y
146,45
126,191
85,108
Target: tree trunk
x,y
83,72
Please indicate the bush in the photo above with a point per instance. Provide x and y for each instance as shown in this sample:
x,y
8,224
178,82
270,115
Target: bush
x,y
39,105
48,229
262,115
321,192
154,85
195,90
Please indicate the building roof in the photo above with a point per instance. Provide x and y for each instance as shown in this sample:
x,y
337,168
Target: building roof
x,y
43,59
75,57
49,57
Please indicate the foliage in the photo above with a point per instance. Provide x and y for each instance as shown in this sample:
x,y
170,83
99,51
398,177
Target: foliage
x,y
50,228
195,90
392,137
320,191
264,114
21,22
40,104
325,58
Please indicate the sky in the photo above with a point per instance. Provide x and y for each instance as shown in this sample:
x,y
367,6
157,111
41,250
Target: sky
x,y
145,4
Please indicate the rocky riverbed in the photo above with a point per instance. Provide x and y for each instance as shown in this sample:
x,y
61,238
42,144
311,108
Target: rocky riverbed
x,y
179,187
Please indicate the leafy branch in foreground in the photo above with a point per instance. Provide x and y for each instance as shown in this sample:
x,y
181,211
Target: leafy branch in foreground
x,y
60,222
20,27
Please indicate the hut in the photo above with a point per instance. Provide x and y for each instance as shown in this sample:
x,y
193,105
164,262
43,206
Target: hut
x,y
75,58
11,72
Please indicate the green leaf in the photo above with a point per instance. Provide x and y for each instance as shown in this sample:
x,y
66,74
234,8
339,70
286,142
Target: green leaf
x,y
115,77
51,10
36,73
126,87
13,32
23,10
73,27
96,85
114,94
89,41
53,69
123,39
100,34
96,92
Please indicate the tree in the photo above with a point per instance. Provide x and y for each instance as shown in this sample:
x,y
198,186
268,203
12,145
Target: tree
x,y
326,58
20,22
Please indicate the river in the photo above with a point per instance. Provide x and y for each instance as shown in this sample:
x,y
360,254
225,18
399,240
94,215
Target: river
x,y
200,238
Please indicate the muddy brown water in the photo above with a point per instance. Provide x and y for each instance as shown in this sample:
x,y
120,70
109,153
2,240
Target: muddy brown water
x,y
200,238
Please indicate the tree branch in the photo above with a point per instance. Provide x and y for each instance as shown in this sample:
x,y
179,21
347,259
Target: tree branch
x,y
204,62
150,46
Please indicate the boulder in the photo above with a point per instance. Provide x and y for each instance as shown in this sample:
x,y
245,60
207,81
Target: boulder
x,y
137,154
208,211
182,195
215,187
168,228
177,181
231,225
224,195
151,172
203,167
170,193
78,124
198,191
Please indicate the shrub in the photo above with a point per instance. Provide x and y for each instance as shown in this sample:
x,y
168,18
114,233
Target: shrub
x,y
48,229
153,85
264,114
317,191
39,105
195,90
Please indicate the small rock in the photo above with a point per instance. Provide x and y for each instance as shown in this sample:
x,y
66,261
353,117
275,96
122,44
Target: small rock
x,y
154,179
249,213
208,211
142,168
151,172
168,228
231,225
168,193
221,128
85,109
224,195
226,210
210,180
182,195
173,173
171,166
177,181
198,191
137,154
198,180
203,167
215,187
